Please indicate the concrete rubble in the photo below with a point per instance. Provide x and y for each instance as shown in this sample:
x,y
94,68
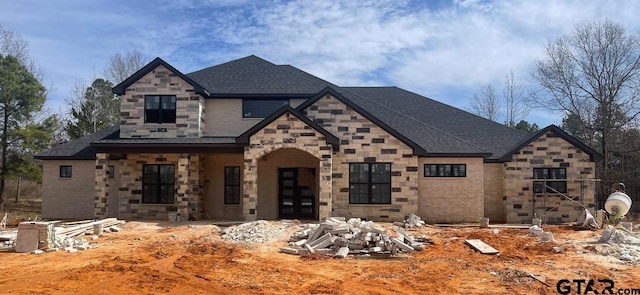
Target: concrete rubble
x,y
412,221
339,237
620,243
260,231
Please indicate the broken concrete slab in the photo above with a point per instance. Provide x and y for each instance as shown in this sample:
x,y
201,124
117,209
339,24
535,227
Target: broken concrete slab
x,y
482,247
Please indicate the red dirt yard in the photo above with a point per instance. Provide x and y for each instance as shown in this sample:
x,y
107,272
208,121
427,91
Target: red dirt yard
x,y
193,258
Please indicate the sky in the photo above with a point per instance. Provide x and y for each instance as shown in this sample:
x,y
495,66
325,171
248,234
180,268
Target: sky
x,y
444,50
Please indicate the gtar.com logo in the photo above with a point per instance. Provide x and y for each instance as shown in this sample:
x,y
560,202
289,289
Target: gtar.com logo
x,y
591,286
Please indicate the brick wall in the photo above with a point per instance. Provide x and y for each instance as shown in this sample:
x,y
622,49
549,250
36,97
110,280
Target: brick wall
x,y
452,199
494,203
548,151
68,198
363,141
213,195
190,108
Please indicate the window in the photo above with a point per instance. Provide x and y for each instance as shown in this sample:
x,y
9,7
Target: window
x,y
65,171
550,173
158,184
261,108
160,109
232,185
445,170
370,183
111,172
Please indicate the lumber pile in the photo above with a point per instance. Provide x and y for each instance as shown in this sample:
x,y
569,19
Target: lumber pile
x,y
340,238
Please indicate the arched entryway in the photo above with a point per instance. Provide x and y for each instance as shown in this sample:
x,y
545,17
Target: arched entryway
x,y
288,185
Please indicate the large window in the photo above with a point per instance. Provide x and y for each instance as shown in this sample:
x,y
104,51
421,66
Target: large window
x,y
232,185
445,170
550,173
65,171
261,108
370,183
160,109
158,184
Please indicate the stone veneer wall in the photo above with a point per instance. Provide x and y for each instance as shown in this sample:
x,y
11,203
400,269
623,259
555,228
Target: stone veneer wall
x,y
286,132
494,200
188,187
452,199
363,141
548,151
190,107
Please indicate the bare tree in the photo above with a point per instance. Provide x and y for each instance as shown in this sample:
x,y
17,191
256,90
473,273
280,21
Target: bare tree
x,y
592,75
120,66
486,104
515,107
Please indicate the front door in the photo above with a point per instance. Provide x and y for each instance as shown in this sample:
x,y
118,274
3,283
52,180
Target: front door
x,y
294,201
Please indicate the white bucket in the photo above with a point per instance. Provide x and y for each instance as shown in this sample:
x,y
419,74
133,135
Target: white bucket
x,y
618,203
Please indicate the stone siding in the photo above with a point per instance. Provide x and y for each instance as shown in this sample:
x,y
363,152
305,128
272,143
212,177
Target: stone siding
x,y
286,132
452,199
187,194
190,107
363,141
548,151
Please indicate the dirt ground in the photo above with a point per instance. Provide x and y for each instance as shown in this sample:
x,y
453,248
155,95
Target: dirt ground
x,y
157,258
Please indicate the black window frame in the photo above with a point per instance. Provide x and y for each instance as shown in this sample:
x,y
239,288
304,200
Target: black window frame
x,y
153,186
111,170
66,171
546,173
445,170
160,114
368,180
261,111
232,185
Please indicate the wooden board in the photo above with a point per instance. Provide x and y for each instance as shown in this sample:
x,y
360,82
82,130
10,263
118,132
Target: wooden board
x,y
482,247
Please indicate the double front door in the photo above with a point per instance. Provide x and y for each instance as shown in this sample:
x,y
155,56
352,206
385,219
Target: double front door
x,y
296,201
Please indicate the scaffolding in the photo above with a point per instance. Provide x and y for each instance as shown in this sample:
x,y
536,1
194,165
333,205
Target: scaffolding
x,y
542,188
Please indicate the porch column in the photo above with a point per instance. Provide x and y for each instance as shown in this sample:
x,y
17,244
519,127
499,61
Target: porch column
x,y
182,197
324,199
102,191
250,187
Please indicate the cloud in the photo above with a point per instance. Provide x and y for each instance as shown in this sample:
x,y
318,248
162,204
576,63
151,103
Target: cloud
x,y
441,49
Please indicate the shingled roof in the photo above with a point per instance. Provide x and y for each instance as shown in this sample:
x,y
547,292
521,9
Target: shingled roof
x,y
256,77
78,149
428,126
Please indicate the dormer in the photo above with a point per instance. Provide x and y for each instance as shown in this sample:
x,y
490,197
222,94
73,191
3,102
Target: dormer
x,y
159,101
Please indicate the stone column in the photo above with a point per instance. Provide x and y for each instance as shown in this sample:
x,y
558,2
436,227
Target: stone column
x,y
182,197
249,187
324,199
102,191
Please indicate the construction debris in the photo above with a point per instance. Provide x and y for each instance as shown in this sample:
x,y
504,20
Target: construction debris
x,y
48,235
412,221
3,223
619,243
482,247
340,238
260,231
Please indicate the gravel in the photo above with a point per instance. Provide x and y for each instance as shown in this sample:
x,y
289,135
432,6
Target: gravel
x,y
260,231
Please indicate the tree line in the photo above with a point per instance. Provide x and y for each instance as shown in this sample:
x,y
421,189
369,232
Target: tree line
x,y
27,128
591,77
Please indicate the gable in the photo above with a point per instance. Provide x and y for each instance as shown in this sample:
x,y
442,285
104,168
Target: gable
x,y
306,127
329,107
121,88
549,134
